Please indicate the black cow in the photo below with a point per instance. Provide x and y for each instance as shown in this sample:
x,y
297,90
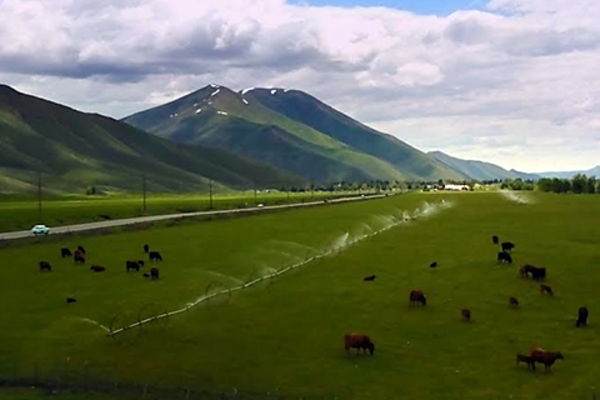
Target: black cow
x,y
539,274
370,278
433,264
507,246
97,268
81,249
146,248
504,257
45,266
71,300
129,265
65,252
583,316
155,256
495,239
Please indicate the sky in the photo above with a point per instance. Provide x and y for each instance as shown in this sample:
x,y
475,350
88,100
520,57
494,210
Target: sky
x,y
514,82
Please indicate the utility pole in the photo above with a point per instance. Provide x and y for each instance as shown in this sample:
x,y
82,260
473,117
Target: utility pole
x,y
144,191
39,196
210,193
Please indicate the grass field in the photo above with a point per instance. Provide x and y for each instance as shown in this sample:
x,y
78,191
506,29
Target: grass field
x,y
17,214
285,337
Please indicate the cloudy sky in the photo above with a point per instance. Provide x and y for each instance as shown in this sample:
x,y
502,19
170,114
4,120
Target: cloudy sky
x,y
516,82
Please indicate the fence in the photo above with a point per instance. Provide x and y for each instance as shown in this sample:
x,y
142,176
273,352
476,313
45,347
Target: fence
x,y
65,378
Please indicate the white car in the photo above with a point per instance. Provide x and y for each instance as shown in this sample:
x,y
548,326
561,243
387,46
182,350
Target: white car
x,y
40,230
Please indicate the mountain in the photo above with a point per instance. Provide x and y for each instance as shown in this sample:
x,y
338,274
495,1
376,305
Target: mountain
x,y
570,174
291,130
479,170
73,150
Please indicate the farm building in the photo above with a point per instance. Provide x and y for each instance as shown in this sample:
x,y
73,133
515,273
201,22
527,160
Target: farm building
x,y
457,187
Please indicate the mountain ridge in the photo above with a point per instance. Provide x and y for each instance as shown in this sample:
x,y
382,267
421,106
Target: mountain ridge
x,y
223,117
76,149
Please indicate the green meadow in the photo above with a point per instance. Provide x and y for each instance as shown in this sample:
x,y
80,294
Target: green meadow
x,y
20,214
284,338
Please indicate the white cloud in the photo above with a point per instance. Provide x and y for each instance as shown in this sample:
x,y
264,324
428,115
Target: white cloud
x,y
516,84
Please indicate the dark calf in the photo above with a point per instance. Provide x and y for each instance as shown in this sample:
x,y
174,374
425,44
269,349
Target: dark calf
x,y
507,246
369,278
582,318
97,268
155,256
132,265
45,266
65,252
504,257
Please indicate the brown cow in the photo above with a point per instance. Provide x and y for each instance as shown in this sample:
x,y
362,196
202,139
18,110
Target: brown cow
x,y
358,341
154,273
416,297
45,266
526,359
513,302
544,357
79,258
545,289
466,314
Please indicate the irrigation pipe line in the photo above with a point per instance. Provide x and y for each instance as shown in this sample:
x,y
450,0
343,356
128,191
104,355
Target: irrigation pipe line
x,y
228,291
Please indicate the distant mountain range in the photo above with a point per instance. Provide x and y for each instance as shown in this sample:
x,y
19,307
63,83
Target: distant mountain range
x,y
253,138
73,150
292,131
479,170
570,174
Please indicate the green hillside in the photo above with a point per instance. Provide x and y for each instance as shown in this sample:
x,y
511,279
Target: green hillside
x,y
306,109
74,150
479,170
334,148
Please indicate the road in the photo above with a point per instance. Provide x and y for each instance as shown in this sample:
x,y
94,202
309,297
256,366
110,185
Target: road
x,y
58,230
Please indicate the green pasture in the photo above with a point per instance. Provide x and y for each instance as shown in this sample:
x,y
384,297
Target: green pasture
x,y
17,214
283,339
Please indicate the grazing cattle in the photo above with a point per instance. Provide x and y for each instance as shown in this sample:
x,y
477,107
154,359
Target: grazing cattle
x,y
146,275
536,273
545,357
81,249
370,278
79,257
513,302
146,248
45,266
495,239
433,264
155,256
71,300
358,341
539,274
504,257
507,246
582,318
141,262
97,268
154,273
65,252
416,297
466,314
129,265
526,359
545,289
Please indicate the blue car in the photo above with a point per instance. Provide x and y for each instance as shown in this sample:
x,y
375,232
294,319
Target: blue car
x,y
40,230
